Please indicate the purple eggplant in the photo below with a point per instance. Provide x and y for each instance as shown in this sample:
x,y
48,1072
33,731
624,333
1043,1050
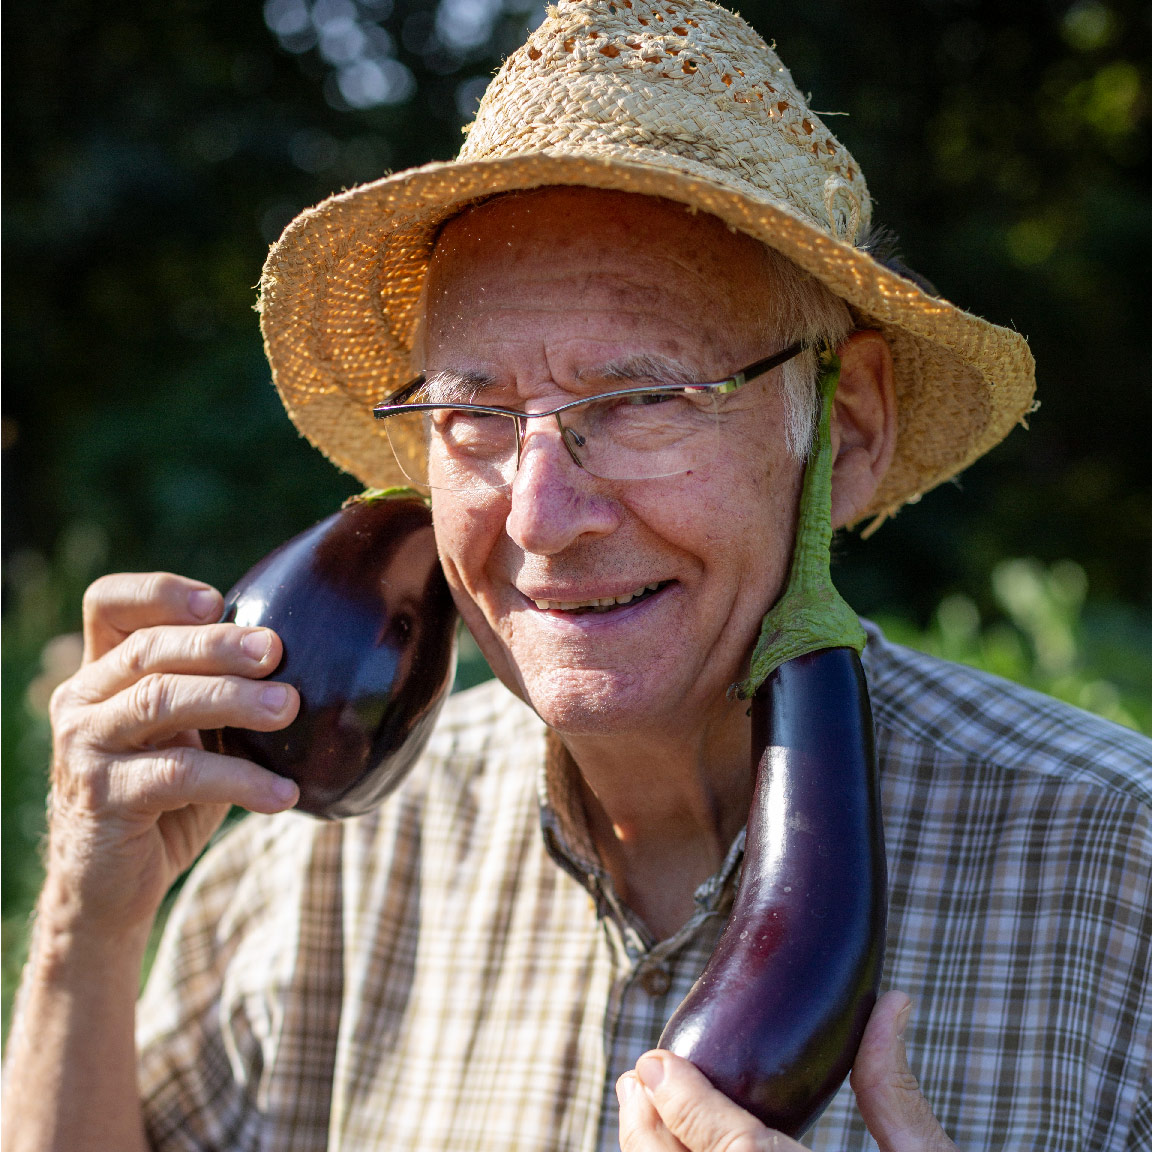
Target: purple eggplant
x,y
369,633
777,1015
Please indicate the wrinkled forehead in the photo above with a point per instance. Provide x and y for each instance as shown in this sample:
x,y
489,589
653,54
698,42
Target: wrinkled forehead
x,y
600,225
576,245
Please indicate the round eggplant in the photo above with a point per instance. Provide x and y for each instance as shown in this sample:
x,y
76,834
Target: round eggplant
x,y
369,633
776,1017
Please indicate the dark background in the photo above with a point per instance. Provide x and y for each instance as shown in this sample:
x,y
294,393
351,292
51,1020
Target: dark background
x,y
155,148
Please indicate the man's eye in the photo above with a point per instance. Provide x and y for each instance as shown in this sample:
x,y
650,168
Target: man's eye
x,y
644,399
462,421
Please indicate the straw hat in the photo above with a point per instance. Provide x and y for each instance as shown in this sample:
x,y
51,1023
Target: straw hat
x,y
673,98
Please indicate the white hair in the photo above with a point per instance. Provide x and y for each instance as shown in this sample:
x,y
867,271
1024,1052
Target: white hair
x,y
803,309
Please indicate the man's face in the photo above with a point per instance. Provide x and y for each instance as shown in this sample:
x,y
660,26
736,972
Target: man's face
x,y
540,293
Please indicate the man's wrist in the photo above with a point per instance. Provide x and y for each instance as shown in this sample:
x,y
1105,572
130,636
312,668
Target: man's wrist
x,y
68,944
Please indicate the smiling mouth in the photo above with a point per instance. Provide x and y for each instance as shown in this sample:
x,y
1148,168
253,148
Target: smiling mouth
x,y
604,604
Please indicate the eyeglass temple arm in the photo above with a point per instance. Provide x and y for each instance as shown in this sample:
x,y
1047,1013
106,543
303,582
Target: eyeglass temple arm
x,y
402,393
770,362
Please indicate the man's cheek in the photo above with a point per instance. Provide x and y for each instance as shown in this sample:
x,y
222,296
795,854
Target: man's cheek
x,y
480,614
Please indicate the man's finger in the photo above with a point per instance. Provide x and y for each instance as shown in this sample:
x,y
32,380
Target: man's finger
x,y
641,1129
160,706
177,777
887,1093
697,1115
115,606
207,649
167,779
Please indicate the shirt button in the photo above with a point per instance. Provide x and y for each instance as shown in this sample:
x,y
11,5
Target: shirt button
x,y
656,980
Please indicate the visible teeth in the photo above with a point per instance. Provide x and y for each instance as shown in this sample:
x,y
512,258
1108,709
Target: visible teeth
x,y
602,602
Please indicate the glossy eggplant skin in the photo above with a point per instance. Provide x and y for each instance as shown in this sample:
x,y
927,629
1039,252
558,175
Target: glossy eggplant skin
x,y
777,1016
369,633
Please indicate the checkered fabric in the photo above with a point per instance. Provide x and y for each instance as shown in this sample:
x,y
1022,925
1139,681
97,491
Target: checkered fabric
x,y
455,971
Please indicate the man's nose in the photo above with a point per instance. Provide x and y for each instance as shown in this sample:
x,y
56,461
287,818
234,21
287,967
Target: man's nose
x,y
554,501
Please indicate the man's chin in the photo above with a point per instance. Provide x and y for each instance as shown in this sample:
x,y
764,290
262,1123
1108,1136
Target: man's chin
x,y
589,702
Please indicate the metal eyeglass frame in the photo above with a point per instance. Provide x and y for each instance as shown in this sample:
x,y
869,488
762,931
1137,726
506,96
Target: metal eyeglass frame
x,y
394,404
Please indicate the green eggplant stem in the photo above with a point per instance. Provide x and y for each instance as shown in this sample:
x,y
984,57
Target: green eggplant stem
x,y
396,492
810,614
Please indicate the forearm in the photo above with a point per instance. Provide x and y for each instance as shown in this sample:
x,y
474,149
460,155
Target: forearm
x,y
70,1069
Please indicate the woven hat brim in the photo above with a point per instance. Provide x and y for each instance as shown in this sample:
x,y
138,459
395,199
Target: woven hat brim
x,y
341,289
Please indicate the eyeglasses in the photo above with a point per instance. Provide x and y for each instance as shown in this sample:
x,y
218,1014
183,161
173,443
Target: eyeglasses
x,y
627,434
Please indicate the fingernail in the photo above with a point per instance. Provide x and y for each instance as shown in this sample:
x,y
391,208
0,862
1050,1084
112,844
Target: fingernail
x,y
625,1088
902,1020
202,603
650,1069
274,697
256,644
284,789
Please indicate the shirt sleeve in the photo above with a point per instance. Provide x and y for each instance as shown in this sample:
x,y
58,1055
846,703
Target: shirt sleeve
x,y
236,1029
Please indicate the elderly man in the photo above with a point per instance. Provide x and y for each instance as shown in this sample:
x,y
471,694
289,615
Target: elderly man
x,y
487,961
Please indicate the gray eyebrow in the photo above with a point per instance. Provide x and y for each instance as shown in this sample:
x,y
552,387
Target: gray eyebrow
x,y
455,386
451,386
643,369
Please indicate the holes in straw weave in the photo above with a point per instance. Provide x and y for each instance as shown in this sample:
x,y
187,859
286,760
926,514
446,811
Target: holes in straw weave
x,y
726,79
610,50
534,53
680,31
690,66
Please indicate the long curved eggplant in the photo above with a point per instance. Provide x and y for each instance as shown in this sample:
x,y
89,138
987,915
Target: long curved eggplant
x,y
777,1015
369,633
776,1018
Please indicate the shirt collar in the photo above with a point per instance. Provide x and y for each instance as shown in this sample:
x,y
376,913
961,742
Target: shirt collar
x,y
566,834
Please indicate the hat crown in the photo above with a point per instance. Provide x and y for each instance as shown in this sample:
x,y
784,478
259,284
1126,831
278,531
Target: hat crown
x,y
677,83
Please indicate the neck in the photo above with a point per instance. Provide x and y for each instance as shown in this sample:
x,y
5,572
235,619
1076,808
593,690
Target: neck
x,y
663,811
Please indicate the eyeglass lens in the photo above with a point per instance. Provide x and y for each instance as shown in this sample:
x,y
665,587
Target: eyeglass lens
x,y
636,437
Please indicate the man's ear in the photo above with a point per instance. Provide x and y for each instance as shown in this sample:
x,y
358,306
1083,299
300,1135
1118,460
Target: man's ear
x,y
863,424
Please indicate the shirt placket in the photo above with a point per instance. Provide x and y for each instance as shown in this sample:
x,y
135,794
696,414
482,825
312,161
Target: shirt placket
x,y
650,978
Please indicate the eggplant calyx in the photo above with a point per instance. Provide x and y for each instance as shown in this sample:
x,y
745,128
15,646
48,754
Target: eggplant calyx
x,y
810,614
396,492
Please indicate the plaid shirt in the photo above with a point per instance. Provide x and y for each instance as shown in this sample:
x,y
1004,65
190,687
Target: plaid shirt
x,y
455,971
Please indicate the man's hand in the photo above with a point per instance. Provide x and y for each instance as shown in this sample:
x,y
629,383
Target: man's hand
x,y
134,798
666,1105
134,795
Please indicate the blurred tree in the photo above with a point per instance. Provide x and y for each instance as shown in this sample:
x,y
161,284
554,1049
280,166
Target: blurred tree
x,y
156,147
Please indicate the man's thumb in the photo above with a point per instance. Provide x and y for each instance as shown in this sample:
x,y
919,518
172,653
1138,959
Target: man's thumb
x,y
887,1093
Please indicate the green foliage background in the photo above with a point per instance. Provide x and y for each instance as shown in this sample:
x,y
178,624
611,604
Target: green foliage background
x,y
156,147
